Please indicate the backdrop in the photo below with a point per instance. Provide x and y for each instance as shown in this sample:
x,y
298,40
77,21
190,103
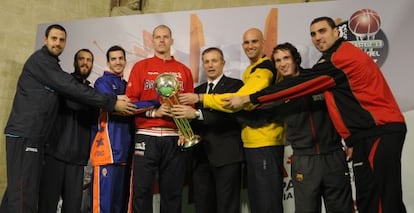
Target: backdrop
x,y
385,37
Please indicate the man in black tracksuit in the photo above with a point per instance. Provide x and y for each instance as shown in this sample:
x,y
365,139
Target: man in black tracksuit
x,y
32,116
67,152
319,167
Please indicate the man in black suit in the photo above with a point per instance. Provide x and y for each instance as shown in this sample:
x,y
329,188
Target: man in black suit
x,y
218,159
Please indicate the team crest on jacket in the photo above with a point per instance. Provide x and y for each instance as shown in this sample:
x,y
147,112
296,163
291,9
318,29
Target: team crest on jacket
x,y
363,29
104,172
299,177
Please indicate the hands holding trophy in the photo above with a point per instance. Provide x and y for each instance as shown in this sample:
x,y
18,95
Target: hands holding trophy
x,y
167,87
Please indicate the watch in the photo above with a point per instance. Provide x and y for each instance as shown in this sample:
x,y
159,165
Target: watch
x,y
197,113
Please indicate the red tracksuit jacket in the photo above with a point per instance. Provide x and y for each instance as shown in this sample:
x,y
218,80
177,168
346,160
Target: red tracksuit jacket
x,y
359,101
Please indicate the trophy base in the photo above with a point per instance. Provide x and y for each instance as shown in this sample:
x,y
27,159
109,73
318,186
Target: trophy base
x,y
191,142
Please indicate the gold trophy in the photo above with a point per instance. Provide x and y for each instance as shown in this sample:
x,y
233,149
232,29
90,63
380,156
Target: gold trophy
x,y
167,86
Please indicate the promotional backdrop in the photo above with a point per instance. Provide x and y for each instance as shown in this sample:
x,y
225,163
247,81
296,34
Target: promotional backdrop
x,y
382,28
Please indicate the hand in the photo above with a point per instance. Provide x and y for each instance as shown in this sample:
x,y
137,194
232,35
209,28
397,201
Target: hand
x,y
163,110
183,111
235,102
122,98
188,98
181,141
124,107
348,153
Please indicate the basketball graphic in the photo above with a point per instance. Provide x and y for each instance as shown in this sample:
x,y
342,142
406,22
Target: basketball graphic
x,y
363,29
365,23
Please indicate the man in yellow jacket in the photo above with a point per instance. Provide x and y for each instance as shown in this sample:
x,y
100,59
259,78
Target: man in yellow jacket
x,y
263,144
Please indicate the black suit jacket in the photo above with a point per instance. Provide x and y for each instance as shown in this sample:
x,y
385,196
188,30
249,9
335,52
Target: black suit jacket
x,y
220,133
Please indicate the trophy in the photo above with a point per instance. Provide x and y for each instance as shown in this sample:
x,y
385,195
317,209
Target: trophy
x,y
167,87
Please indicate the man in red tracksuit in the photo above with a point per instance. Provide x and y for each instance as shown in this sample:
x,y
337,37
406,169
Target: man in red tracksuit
x,y
156,148
362,108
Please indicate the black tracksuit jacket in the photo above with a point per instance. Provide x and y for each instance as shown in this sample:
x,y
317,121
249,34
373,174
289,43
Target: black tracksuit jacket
x,y
36,102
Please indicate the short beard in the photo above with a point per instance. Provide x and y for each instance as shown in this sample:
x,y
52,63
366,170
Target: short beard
x,y
82,75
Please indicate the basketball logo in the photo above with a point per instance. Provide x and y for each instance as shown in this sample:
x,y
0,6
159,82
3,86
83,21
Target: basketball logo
x,y
364,23
363,29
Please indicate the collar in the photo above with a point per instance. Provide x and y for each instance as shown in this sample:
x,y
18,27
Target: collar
x,y
80,78
215,82
164,60
335,46
44,49
263,58
113,75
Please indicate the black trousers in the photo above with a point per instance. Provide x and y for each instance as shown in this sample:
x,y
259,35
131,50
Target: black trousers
x,y
322,176
265,179
217,189
24,165
377,168
60,179
162,156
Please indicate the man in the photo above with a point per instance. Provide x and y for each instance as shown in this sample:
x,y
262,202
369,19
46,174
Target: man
x,y
319,167
218,159
67,152
156,148
363,110
111,148
32,116
263,144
